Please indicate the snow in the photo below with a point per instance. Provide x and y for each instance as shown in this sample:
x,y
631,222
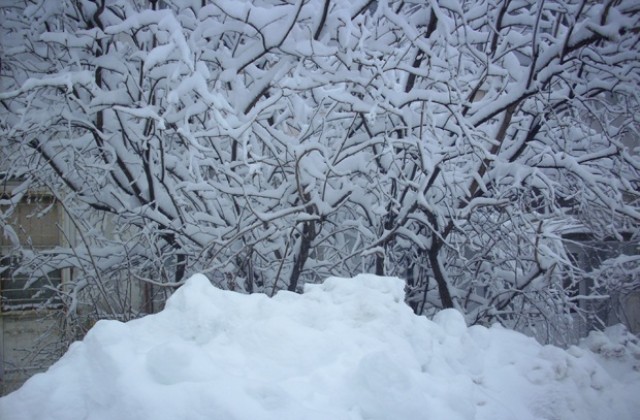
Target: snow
x,y
345,349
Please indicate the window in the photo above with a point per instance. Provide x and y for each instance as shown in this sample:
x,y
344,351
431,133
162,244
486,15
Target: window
x,y
26,282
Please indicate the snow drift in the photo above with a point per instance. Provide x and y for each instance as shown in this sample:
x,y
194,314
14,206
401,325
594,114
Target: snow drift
x,y
346,349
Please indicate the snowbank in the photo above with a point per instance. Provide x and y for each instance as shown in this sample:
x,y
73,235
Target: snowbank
x,y
346,349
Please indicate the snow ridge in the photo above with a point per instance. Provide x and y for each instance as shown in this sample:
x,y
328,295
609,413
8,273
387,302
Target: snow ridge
x,y
345,349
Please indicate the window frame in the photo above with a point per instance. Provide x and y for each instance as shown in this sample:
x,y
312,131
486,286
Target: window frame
x,y
40,297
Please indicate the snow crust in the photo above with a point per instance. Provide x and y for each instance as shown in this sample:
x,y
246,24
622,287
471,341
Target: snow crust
x,y
346,349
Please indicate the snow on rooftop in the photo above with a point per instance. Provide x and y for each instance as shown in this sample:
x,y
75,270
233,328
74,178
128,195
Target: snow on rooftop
x,y
346,349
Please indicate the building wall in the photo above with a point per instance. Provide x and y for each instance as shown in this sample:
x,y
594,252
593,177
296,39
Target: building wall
x,y
29,343
629,313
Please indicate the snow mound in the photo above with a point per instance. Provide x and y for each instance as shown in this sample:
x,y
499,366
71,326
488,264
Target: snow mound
x,y
346,349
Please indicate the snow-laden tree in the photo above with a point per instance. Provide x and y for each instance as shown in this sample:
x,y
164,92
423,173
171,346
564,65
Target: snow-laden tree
x,y
270,143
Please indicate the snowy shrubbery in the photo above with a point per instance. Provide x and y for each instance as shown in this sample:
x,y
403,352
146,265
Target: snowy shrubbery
x,y
275,143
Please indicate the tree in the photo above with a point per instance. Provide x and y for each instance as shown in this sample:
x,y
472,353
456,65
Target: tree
x,y
272,143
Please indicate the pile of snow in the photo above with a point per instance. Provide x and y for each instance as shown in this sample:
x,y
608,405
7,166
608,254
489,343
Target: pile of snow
x,y
346,349
617,350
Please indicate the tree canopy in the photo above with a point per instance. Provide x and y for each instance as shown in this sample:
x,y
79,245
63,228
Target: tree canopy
x,y
269,143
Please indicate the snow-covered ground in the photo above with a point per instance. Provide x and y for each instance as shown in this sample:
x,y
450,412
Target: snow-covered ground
x,y
346,349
